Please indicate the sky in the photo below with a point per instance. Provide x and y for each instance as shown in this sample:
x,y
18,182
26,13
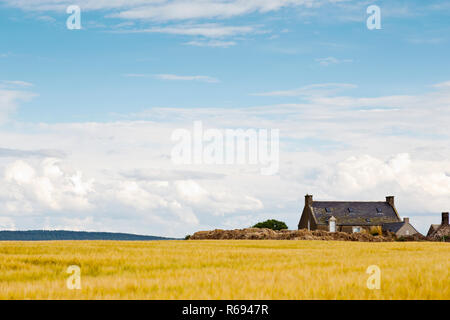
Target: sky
x,y
86,115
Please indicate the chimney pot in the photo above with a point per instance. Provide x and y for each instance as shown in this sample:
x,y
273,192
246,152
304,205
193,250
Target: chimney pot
x,y
444,218
406,220
390,200
308,200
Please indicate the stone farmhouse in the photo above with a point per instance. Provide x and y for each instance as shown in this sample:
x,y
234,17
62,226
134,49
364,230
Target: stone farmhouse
x,y
439,231
354,216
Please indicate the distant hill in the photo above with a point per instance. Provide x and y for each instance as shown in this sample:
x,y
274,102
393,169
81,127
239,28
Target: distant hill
x,y
42,235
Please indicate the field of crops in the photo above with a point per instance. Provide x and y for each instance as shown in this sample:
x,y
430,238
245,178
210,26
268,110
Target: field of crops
x,y
223,269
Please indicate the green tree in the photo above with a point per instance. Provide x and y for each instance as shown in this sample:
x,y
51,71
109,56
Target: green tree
x,y
271,224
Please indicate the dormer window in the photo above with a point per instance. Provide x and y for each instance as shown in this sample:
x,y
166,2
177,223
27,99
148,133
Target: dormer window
x,y
379,210
350,210
328,210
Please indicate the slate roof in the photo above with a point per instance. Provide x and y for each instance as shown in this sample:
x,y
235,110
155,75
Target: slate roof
x,y
435,226
361,214
393,226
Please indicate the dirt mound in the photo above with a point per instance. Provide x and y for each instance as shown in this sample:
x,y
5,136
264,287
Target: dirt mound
x,y
303,234
414,237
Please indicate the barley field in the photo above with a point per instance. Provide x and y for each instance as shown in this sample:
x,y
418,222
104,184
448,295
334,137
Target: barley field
x,y
224,269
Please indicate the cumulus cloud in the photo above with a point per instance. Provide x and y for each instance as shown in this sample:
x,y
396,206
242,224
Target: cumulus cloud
x,y
45,186
401,175
62,194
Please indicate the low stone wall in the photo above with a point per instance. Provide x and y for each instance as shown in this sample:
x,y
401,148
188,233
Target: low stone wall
x,y
304,234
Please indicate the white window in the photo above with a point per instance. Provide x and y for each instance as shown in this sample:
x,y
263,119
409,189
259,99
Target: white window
x,y
332,226
356,229
309,225
407,232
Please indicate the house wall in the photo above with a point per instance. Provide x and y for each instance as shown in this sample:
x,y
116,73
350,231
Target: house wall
x,y
432,229
303,223
406,230
349,229
368,229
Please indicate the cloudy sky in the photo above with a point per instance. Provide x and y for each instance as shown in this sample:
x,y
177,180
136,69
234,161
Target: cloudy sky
x,y
86,116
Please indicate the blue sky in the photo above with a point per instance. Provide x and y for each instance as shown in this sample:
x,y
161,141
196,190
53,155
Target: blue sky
x,y
282,64
81,74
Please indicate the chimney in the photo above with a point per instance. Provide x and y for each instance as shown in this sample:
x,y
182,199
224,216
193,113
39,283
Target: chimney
x,y
308,200
390,200
444,218
406,220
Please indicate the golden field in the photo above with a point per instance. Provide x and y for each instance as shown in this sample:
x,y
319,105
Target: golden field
x,y
224,269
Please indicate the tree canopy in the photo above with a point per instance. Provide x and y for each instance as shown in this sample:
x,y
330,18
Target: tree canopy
x,y
271,224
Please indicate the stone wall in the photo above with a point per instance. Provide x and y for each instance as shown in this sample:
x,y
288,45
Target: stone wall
x,y
303,234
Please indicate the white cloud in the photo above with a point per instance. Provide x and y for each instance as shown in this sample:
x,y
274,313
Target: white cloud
x,y
208,30
159,174
197,9
16,83
43,187
310,90
211,43
331,60
7,223
61,5
442,85
365,172
47,19
6,152
170,10
10,99
120,173
175,77
420,185
169,13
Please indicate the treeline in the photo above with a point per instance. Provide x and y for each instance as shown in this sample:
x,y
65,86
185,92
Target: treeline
x,y
42,235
